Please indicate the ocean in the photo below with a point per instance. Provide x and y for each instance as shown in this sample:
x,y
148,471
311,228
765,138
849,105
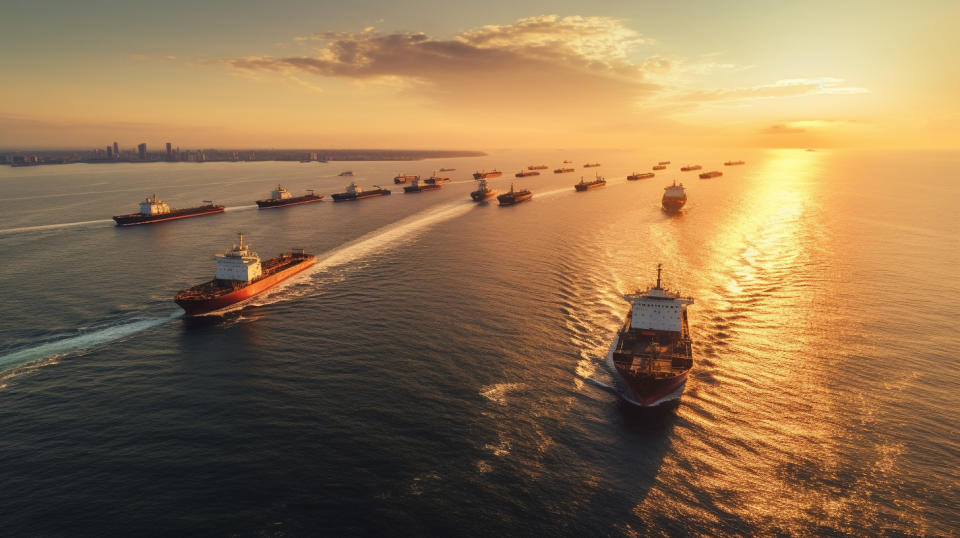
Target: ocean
x,y
441,370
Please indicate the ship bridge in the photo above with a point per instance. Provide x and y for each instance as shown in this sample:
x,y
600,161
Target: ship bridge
x,y
658,309
239,263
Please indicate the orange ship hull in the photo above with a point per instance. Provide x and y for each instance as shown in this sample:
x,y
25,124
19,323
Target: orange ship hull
x,y
201,306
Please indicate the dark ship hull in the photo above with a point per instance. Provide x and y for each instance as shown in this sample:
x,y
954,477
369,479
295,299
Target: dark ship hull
x,y
581,187
421,188
297,200
479,196
650,367
512,198
346,196
673,205
486,175
635,177
134,219
218,294
437,180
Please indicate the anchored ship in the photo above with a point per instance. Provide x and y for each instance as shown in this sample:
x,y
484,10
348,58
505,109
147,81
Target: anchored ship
x,y
708,175
652,354
538,167
523,173
240,275
348,173
281,197
436,180
733,163
674,197
690,167
447,169
403,179
562,170
661,163
154,209
591,165
421,186
483,192
483,174
514,196
660,167
635,176
354,192
587,185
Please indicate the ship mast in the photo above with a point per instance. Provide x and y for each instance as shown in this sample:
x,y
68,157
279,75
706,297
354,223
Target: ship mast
x,y
659,268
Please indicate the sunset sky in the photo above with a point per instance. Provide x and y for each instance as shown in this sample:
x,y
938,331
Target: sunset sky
x,y
480,75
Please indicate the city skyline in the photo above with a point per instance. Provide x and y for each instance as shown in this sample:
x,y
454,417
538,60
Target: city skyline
x,y
533,74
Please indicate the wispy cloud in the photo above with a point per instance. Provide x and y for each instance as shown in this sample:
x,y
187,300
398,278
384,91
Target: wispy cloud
x,y
780,88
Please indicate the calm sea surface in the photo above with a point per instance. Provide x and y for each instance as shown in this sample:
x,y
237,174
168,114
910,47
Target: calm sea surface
x,y
441,370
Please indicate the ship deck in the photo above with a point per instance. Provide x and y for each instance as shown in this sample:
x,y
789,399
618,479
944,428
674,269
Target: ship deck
x,y
653,353
216,288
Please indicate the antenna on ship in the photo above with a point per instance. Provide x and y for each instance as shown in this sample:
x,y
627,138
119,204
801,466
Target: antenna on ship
x,y
659,268
240,235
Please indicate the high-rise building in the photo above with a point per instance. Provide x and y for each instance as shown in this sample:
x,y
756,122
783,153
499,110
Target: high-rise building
x,y
110,152
116,150
169,151
142,151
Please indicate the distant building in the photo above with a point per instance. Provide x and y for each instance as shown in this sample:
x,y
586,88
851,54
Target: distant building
x,y
169,151
110,152
116,150
142,151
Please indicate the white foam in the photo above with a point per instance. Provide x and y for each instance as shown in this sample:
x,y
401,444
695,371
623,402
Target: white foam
x,y
82,341
53,226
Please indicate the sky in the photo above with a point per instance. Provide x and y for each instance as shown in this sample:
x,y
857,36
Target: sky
x,y
481,75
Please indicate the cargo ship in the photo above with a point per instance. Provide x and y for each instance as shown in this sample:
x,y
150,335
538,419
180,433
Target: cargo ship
x,y
635,176
591,165
421,186
733,163
348,173
651,356
154,209
708,175
403,179
514,196
538,167
524,173
483,192
660,167
661,163
281,197
436,180
674,197
587,185
563,170
354,192
240,276
690,168
447,169
483,174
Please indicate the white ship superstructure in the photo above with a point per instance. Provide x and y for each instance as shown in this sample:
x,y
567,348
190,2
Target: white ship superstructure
x,y
280,193
239,264
154,206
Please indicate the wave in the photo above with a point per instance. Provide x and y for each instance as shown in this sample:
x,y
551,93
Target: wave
x,y
82,341
54,226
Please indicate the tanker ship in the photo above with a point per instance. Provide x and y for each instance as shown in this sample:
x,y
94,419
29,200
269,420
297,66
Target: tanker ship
x,y
437,180
587,185
636,175
155,210
240,276
514,196
652,355
660,167
483,174
403,179
525,173
421,186
674,197
281,197
709,175
483,192
354,192
690,167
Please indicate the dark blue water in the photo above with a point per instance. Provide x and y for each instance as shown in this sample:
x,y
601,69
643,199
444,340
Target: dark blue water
x,y
441,370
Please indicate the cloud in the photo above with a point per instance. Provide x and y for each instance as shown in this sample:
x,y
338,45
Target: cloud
x,y
780,88
802,126
783,129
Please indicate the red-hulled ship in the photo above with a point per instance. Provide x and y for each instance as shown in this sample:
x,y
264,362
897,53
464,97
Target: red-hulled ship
x,y
281,197
709,175
155,210
652,355
483,174
240,276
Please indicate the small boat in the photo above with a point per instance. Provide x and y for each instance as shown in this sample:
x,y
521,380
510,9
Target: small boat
x,y
436,180
563,170
354,192
663,162
348,173
421,186
514,196
483,192
591,165
690,168
403,179
635,176
709,175
587,185
483,174
660,167
523,173
538,167
733,163
281,197
447,169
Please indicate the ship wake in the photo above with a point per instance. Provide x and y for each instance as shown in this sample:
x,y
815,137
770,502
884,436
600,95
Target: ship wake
x,y
54,226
